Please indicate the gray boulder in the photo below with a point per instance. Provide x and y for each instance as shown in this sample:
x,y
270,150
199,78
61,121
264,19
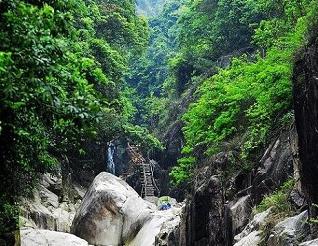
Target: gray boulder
x,y
111,212
291,231
36,237
251,232
310,243
252,239
241,212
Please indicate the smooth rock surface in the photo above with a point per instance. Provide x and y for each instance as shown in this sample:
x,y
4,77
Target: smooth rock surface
x,y
111,212
310,243
36,237
252,239
162,222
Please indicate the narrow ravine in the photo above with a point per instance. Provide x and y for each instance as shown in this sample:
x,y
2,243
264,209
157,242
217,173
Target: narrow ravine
x,y
158,122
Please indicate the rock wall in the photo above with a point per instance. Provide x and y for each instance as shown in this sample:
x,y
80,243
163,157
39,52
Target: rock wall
x,y
203,221
218,207
306,113
47,209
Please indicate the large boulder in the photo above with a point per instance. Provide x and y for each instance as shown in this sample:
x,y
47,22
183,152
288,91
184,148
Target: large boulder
x,y
112,213
251,233
36,237
161,230
290,231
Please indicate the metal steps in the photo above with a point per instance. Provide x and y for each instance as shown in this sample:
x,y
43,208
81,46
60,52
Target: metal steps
x,y
147,180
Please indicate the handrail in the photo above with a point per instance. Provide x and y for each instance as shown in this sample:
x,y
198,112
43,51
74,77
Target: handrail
x,y
153,179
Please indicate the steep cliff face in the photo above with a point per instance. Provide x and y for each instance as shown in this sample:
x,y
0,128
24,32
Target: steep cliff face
x,y
306,113
219,205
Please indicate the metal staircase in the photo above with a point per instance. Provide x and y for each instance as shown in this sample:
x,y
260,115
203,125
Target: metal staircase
x,y
146,168
148,189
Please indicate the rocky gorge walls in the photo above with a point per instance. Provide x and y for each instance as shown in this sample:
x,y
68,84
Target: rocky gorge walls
x,y
306,113
219,210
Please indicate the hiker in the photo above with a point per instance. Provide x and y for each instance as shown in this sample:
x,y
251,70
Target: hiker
x,y
164,203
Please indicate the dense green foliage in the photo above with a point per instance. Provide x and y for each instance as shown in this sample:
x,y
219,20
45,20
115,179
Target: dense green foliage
x,y
62,66
75,75
240,105
278,200
149,71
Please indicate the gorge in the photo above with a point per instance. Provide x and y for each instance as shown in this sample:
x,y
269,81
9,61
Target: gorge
x,y
159,122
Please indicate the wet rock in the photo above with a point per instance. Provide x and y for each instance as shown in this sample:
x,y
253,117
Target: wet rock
x,y
35,237
203,221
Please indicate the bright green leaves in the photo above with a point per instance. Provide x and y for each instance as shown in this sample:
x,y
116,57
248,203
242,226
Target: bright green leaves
x,y
240,105
58,82
142,136
182,172
61,84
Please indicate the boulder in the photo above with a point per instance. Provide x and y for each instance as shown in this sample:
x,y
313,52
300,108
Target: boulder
x,y
36,237
48,198
290,231
310,243
111,213
161,230
241,212
252,227
252,239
